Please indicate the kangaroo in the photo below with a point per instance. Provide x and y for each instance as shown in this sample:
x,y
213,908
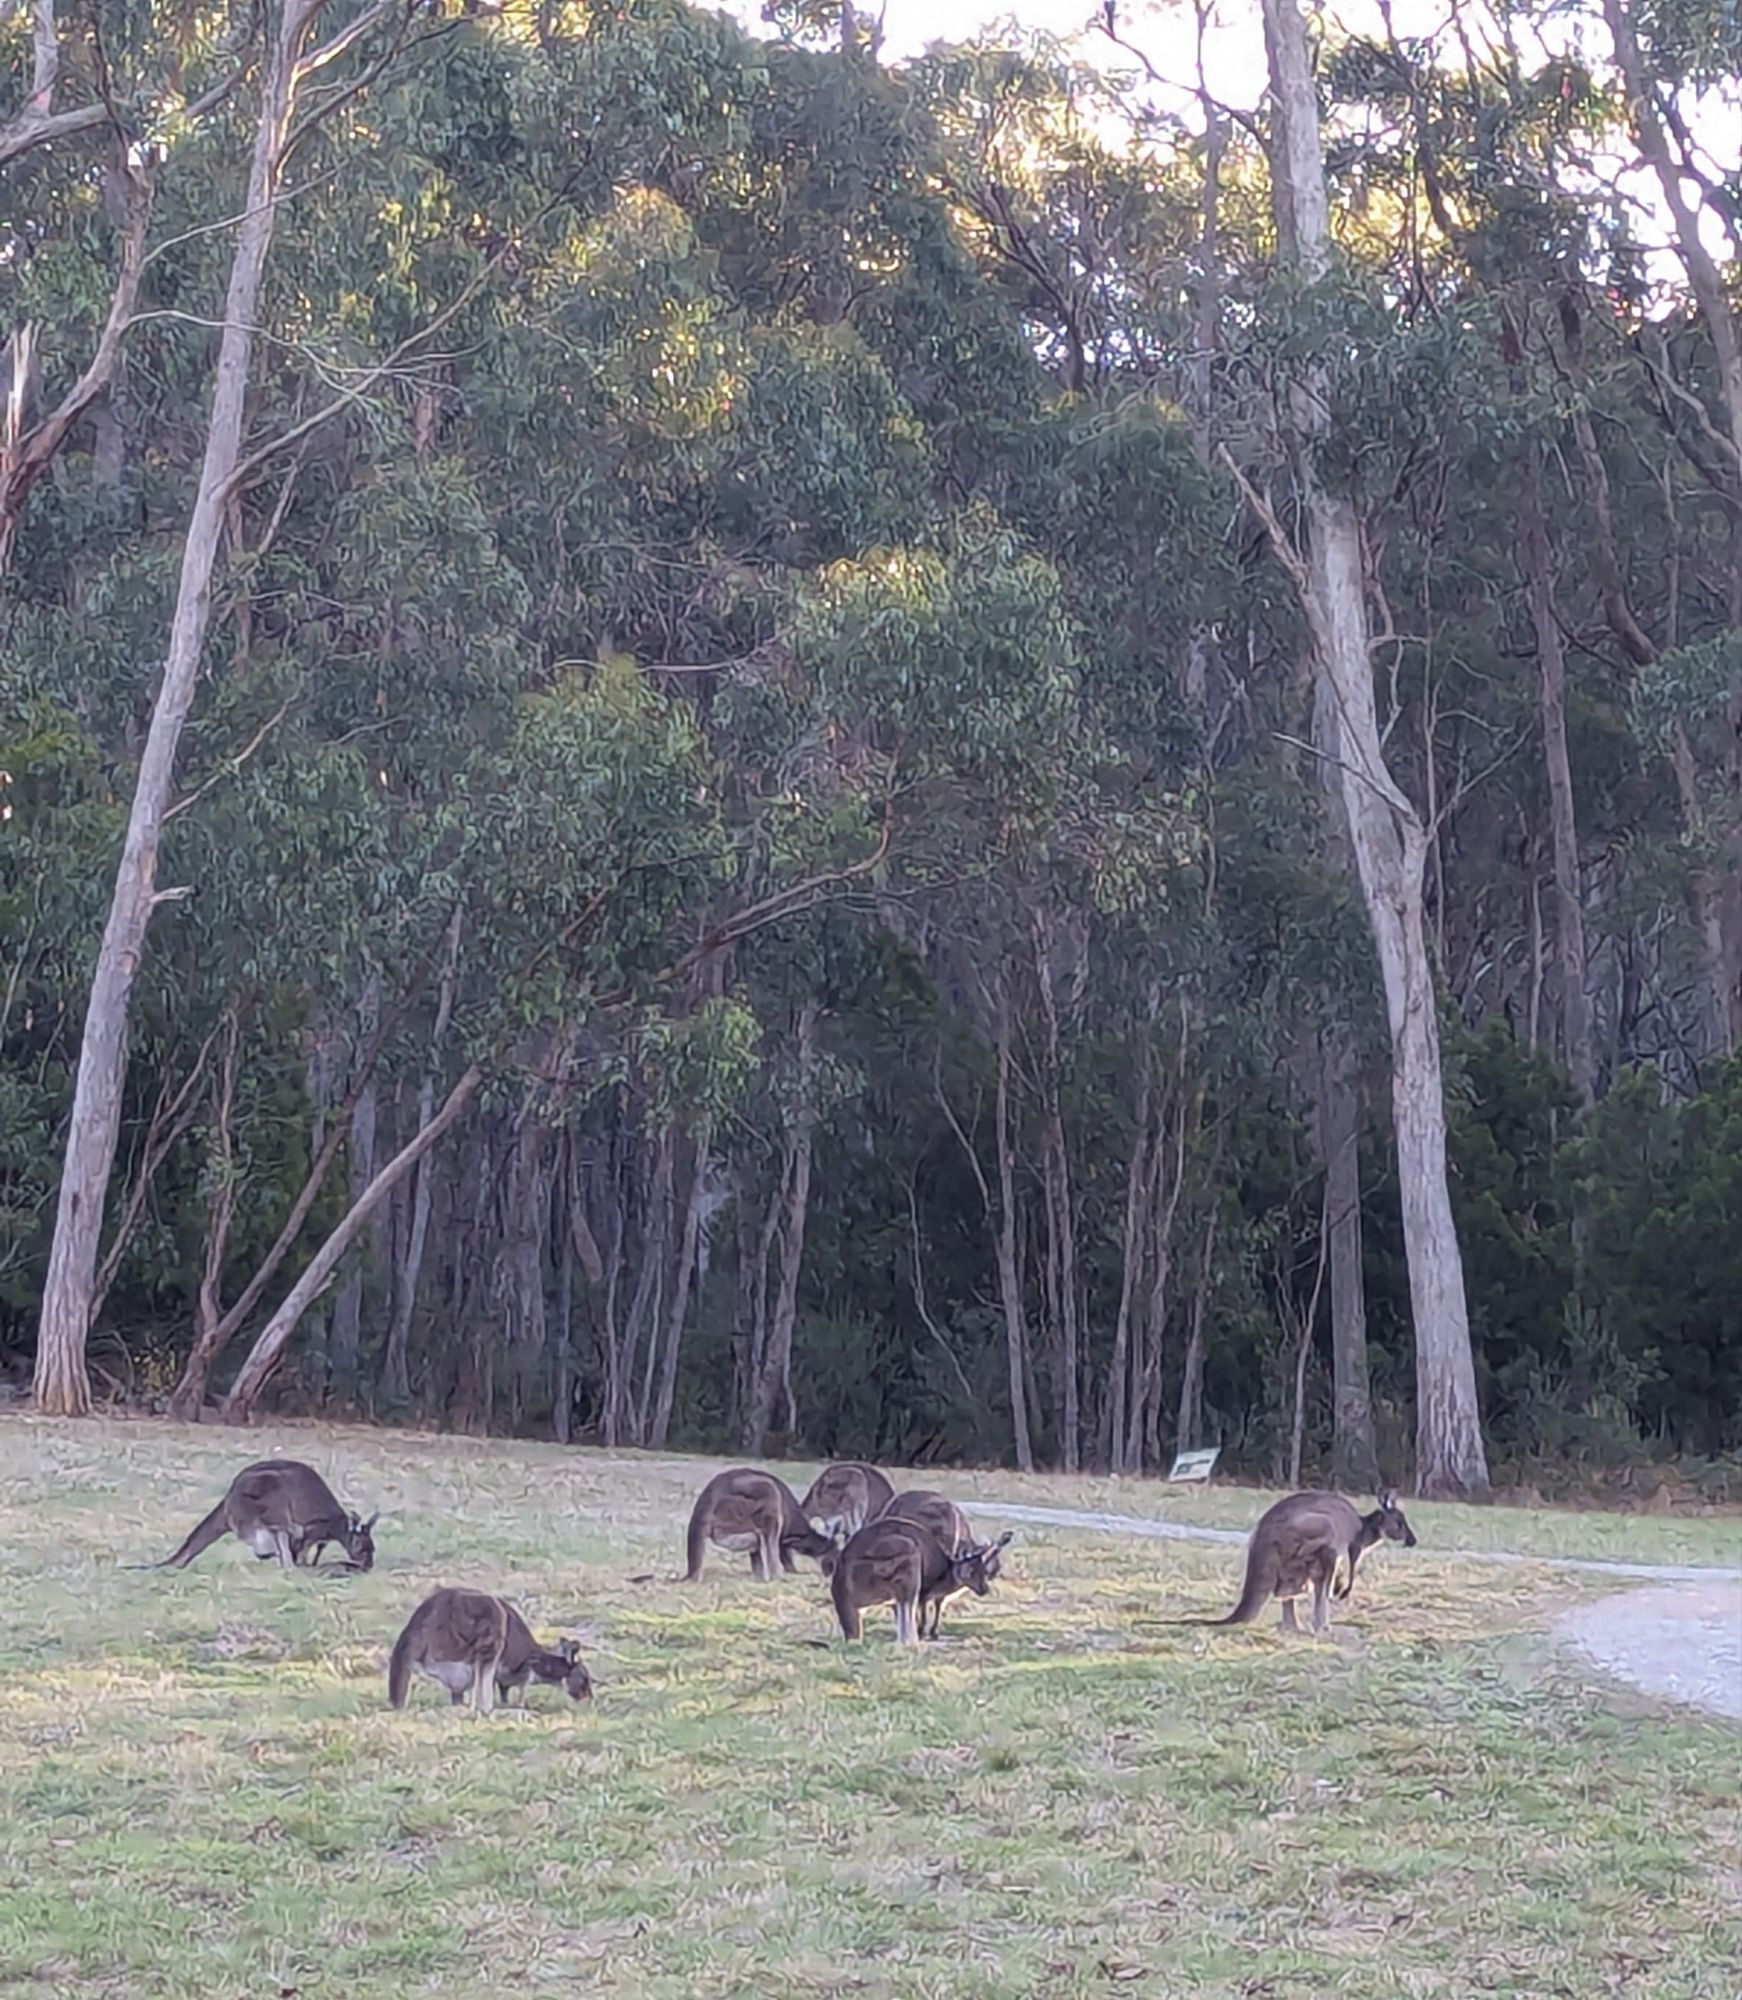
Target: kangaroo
x,y
1299,1544
524,1660
280,1507
931,1510
747,1509
456,1637
903,1564
844,1497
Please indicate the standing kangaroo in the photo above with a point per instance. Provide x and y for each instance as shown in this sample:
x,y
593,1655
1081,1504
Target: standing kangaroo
x,y
905,1565
1298,1545
747,1509
843,1497
280,1507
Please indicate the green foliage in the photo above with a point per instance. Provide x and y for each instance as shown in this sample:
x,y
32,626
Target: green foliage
x,y
768,547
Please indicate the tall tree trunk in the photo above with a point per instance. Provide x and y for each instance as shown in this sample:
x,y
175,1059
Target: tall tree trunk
x,y
1389,839
688,1256
1304,1346
1575,1008
745,1221
268,1350
1354,1450
1113,1422
1009,1271
345,1341
62,1384
1061,1209
774,1383
1167,1183
557,1217
190,1391
1001,1219
643,1311
395,1365
1189,1429
524,1259
610,1330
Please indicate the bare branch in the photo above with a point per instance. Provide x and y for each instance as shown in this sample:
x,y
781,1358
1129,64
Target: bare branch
x,y
370,377
23,462
231,765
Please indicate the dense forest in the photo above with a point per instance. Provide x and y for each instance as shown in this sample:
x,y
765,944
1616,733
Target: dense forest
x,y
706,740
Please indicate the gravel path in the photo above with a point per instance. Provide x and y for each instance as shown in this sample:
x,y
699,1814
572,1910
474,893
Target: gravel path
x,y
1683,1642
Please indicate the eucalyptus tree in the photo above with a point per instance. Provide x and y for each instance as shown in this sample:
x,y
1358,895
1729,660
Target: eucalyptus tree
x,y
1388,834
289,55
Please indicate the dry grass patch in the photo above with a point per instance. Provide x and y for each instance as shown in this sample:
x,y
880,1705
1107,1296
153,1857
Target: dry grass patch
x,y
202,1791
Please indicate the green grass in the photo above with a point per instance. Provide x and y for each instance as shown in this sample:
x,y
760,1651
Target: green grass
x,y
203,1792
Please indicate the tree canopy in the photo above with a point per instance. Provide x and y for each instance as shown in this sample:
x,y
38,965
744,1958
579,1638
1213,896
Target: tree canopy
x,y
757,781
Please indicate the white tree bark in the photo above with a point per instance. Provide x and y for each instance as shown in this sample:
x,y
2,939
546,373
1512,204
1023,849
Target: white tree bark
x,y
62,1384
1388,837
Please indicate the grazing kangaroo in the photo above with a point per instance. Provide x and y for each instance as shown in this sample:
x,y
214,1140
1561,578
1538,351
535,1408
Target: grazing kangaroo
x,y
456,1637
747,1509
1298,1545
280,1507
904,1564
524,1660
843,1497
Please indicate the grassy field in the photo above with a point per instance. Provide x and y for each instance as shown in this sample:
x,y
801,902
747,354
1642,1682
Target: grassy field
x,y
203,1792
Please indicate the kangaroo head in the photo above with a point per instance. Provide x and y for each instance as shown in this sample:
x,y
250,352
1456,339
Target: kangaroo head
x,y
359,1541
806,1541
977,1566
1392,1526
577,1682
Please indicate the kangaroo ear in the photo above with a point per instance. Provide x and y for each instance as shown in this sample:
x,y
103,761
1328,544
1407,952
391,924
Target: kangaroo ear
x,y
570,1649
1003,1541
363,1527
1388,1500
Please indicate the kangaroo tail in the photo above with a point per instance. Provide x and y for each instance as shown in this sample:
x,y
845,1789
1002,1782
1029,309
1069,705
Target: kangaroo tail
x,y
403,1660
213,1528
852,1623
697,1546
1257,1589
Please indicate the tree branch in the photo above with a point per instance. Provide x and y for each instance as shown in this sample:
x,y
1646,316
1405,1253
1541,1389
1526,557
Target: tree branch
x,y
24,461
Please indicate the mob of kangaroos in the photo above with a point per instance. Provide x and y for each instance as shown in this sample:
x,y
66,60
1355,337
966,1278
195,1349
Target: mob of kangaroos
x,y
914,1551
